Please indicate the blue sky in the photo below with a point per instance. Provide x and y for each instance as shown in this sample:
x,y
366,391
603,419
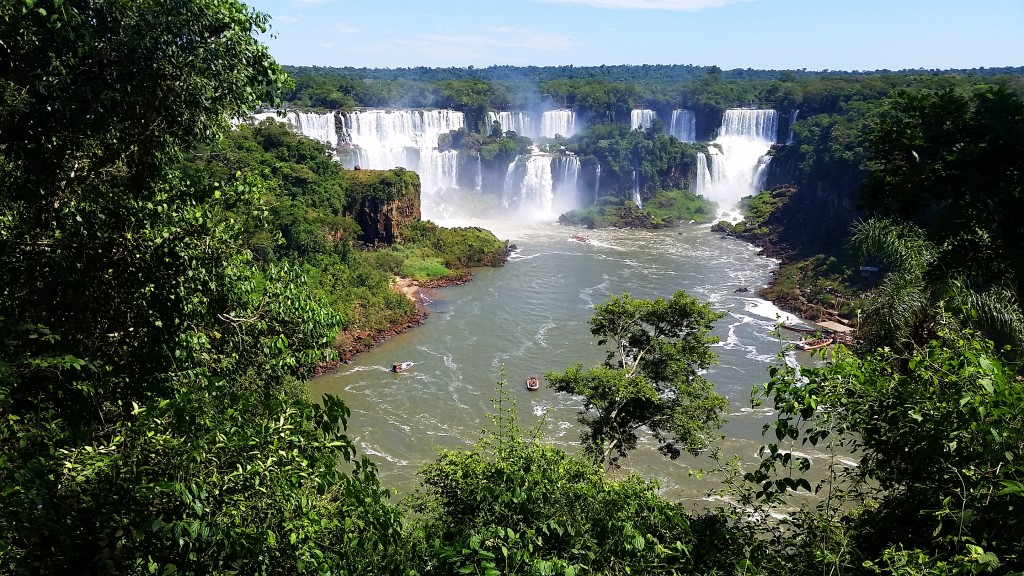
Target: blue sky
x,y
784,34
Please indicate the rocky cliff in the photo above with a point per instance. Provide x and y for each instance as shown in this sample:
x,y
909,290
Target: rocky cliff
x,y
383,203
816,218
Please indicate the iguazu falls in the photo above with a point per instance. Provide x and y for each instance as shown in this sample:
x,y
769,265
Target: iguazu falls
x,y
546,288
540,183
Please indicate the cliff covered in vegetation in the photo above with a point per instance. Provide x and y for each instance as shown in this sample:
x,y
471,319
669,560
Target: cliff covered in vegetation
x,y
383,203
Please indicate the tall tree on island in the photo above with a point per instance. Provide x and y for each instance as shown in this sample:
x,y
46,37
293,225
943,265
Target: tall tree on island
x,y
650,378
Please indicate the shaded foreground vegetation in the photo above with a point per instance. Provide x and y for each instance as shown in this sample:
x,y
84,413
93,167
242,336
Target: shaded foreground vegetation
x,y
166,291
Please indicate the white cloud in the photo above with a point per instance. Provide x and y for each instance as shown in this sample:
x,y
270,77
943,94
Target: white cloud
x,y
345,28
687,5
524,38
496,46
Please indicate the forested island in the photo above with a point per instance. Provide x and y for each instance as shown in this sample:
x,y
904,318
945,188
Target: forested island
x,y
175,269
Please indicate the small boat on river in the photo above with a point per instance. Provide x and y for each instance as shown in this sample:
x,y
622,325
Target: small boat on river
x,y
400,367
802,329
813,344
532,383
579,238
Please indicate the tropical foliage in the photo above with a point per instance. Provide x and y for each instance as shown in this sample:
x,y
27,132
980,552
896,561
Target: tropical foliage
x,y
650,379
948,162
665,209
919,293
166,292
512,505
938,435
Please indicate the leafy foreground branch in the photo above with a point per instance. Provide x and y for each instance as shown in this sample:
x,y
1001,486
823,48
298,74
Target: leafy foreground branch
x,y
651,378
515,506
939,486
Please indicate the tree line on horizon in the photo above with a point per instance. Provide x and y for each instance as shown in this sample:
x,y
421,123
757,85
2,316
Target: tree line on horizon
x,y
608,93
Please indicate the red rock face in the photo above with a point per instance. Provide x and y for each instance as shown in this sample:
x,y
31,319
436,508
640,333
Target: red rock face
x,y
385,203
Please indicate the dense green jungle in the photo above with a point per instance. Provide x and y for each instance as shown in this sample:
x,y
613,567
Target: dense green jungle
x,y
171,281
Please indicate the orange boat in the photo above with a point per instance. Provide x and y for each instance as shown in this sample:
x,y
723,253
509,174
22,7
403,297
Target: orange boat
x,y
532,383
813,344
579,238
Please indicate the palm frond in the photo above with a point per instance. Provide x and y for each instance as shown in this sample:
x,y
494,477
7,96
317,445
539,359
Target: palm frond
x,y
996,312
894,310
903,246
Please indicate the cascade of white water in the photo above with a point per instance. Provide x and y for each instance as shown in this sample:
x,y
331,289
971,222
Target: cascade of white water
x,y
702,176
534,182
510,190
385,139
792,120
316,126
261,116
438,170
518,122
641,119
684,125
479,175
739,168
558,122
536,190
636,191
567,173
597,182
320,127
760,125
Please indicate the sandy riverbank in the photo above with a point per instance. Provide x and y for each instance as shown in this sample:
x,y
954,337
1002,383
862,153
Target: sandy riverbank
x,y
352,342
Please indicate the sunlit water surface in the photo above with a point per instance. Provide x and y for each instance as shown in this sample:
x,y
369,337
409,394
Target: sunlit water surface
x,y
530,317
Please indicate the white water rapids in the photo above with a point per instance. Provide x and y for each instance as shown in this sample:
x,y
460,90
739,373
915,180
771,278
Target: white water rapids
x,y
736,164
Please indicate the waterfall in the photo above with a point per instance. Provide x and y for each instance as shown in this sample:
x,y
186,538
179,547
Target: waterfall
x,y
385,139
558,122
537,182
438,170
538,186
597,182
518,122
684,125
760,125
636,191
319,127
792,120
641,119
509,191
479,174
701,184
316,126
567,174
736,163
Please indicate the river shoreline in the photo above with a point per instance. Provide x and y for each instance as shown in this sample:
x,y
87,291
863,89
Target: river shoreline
x,y
351,343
